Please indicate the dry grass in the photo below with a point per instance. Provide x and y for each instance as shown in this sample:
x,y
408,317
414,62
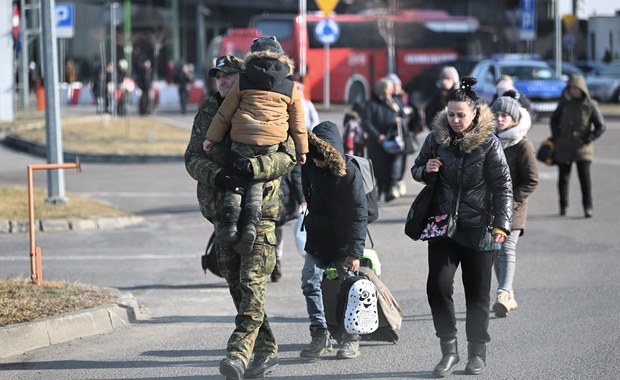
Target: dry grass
x,y
14,206
21,301
105,135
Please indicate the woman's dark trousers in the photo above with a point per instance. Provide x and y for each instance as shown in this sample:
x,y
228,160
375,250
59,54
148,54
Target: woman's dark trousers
x,y
444,257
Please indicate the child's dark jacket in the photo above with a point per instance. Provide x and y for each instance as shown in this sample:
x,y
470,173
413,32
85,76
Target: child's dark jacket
x,y
337,215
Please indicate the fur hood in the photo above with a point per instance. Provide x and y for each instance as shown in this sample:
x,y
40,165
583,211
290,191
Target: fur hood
x,y
270,55
267,69
471,140
325,139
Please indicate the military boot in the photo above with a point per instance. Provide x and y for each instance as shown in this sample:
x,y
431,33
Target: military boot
x,y
450,358
350,348
320,344
227,233
247,237
476,358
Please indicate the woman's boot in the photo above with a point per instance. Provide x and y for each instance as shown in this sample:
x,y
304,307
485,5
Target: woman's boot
x,y
450,358
476,358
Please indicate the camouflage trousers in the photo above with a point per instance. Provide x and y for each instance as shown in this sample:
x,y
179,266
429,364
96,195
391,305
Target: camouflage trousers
x,y
246,276
253,195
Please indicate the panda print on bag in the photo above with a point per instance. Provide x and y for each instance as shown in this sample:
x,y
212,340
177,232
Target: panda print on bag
x,y
361,315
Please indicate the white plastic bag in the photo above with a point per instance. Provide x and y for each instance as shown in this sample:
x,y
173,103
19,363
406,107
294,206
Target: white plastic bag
x,y
300,236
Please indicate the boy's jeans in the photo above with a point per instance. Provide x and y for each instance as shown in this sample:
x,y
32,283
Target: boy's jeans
x,y
311,278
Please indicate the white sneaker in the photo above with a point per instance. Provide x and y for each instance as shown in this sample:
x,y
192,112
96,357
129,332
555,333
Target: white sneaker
x,y
504,303
402,188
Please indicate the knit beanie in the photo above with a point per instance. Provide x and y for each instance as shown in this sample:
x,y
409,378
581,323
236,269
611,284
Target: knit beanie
x,y
450,73
266,43
507,105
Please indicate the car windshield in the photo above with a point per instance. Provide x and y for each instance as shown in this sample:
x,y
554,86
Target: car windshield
x,y
528,72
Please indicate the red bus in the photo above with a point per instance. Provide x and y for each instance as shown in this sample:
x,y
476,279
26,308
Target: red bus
x,y
360,55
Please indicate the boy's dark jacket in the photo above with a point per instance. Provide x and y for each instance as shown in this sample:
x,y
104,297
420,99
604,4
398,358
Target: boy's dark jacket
x,y
337,216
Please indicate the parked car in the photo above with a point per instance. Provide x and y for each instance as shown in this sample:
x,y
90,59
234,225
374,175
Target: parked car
x,y
605,86
568,70
421,87
533,78
590,67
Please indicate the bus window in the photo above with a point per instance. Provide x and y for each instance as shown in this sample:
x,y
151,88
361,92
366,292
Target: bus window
x,y
281,29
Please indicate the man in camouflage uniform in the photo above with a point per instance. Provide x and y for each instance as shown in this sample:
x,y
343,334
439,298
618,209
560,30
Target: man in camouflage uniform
x,y
246,275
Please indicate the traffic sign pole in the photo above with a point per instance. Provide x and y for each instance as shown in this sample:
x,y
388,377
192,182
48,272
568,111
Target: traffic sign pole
x,y
327,31
326,76
53,132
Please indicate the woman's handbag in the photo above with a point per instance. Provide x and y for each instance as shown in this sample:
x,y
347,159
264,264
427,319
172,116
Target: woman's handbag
x,y
443,225
419,210
394,142
545,152
439,225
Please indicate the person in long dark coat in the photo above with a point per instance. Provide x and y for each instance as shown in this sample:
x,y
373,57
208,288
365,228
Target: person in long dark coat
x,y
145,82
381,116
575,124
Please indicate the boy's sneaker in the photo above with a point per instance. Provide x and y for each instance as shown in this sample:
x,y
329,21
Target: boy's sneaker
x,y
504,303
321,344
350,350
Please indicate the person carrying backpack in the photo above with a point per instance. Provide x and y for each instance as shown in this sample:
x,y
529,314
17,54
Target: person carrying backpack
x,y
336,230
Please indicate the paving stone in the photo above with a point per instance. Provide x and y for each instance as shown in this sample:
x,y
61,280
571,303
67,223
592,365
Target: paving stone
x,y
83,224
54,225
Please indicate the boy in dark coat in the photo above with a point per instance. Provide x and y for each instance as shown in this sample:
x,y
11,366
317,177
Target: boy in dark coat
x,y
336,229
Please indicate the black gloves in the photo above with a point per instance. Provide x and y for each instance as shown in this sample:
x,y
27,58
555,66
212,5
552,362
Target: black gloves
x,y
228,180
240,165
586,140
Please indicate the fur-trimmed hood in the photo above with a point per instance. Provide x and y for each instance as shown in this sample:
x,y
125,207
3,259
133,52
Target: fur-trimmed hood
x,y
267,68
471,140
325,139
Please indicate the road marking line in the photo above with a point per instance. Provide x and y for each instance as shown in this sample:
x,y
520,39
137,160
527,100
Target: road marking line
x,y
102,257
125,194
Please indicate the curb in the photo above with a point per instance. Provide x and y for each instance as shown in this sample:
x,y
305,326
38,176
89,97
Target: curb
x,y
40,150
63,225
23,337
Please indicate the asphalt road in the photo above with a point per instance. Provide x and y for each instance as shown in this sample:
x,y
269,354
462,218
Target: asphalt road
x,y
566,327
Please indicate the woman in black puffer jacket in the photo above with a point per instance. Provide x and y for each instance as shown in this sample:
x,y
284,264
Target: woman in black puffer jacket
x,y
462,151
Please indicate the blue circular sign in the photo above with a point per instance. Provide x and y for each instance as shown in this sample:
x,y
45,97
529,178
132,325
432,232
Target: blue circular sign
x,y
327,31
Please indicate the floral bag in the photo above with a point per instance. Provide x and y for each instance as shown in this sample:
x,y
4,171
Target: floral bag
x,y
443,225
439,225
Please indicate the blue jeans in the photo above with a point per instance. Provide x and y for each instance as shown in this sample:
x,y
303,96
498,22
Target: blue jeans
x,y
506,261
311,278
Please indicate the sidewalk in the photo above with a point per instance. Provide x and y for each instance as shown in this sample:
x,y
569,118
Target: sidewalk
x,y
23,337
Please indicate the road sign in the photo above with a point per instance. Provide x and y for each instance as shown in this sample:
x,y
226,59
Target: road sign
x,y
64,20
569,21
327,31
327,6
528,20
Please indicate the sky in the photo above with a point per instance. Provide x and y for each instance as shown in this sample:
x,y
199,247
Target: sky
x,y
589,8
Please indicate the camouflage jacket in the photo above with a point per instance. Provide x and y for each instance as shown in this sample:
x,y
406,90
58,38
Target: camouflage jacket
x,y
268,168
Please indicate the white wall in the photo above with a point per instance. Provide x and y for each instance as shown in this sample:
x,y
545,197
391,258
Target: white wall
x,y
7,73
599,31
